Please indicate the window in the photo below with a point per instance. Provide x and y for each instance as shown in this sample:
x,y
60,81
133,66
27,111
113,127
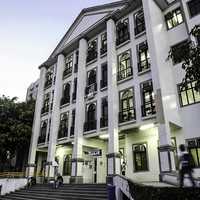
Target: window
x,y
90,123
188,95
43,130
178,53
52,97
103,49
122,29
198,40
67,165
63,128
194,150
148,99
73,123
49,78
139,22
194,7
92,50
124,66
68,66
66,94
75,90
76,64
173,18
104,76
49,130
45,108
91,82
104,113
140,157
127,107
143,57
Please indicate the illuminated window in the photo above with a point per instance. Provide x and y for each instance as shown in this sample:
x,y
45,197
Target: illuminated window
x,y
174,18
188,95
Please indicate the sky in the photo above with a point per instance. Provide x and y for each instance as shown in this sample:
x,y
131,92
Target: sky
x,y
29,32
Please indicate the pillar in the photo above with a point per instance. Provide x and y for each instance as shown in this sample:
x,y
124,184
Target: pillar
x,y
77,157
36,124
55,120
113,156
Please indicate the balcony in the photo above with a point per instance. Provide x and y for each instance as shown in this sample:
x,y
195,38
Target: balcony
x,y
41,139
104,121
148,109
45,110
92,55
103,50
127,115
90,125
140,28
67,72
64,100
91,89
72,131
48,83
144,65
123,38
76,68
103,83
63,132
123,74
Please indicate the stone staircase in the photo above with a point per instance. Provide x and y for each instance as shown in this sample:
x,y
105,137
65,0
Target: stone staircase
x,y
65,192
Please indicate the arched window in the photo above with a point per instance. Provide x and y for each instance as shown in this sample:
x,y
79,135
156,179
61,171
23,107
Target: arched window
x,y
43,128
67,165
124,65
127,105
66,94
92,77
63,129
91,113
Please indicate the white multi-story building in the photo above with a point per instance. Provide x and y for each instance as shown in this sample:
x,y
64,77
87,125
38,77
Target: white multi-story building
x,y
32,91
108,95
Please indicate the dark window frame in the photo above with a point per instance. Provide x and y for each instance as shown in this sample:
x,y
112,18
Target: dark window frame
x,y
92,52
68,66
66,94
104,112
63,125
138,23
196,5
103,49
104,75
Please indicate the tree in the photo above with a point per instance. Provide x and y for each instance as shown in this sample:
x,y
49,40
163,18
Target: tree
x,y
189,54
16,120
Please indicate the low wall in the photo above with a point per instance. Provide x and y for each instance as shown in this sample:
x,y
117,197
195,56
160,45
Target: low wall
x,y
12,184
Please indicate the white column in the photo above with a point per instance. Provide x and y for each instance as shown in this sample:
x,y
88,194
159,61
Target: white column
x,y
77,158
163,82
113,104
36,124
55,120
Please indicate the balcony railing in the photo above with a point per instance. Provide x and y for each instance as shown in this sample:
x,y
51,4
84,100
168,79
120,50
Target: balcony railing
x,y
148,109
67,72
91,88
103,50
144,65
64,100
123,38
123,74
48,83
103,83
140,28
63,132
104,121
72,131
92,55
90,125
76,68
45,110
41,139
127,115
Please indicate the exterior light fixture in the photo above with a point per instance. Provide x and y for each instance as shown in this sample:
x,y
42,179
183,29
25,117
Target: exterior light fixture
x,y
146,126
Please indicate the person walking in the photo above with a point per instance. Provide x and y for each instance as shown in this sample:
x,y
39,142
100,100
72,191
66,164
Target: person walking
x,y
185,166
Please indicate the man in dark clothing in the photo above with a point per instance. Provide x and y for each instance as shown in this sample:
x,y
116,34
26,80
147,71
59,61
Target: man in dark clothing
x,y
185,166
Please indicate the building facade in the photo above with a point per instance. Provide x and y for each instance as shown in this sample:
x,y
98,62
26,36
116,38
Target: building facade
x,y
108,97
32,91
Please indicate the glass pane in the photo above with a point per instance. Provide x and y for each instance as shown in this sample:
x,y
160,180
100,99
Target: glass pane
x,y
169,24
190,96
180,18
197,96
184,98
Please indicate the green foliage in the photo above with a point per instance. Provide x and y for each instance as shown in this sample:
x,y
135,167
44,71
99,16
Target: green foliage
x,y
16,120
189,54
